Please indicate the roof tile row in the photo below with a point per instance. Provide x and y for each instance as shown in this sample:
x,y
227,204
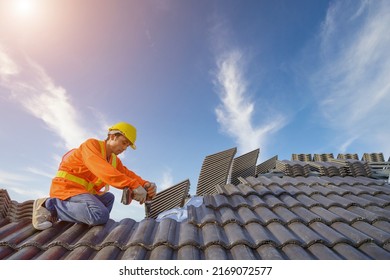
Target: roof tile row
x,y
270,216
368,157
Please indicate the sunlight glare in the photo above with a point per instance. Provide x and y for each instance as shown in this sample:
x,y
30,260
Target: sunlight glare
x,y
25,7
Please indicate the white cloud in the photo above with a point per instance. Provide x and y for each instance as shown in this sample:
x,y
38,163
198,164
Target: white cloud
x,y
166,181
7,66
39,172
31,87
10,178
347,143
236,112
352,79
16,183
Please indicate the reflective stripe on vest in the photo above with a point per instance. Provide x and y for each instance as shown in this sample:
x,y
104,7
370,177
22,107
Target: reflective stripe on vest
x,y
88,185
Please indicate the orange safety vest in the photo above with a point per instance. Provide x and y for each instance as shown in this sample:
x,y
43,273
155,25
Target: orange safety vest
x,y
89,186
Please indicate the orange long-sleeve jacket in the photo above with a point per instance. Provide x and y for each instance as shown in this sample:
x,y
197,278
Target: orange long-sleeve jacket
x,y
89,163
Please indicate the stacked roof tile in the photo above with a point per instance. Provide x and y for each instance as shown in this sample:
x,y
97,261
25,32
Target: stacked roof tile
x,y
354,167
269,216
373,157
266,166
348,156
215,171
172,197
342,168
301,157
13,210
244,166
293,168
322,157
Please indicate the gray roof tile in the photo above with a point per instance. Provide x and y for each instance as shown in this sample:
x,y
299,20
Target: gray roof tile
x,y
162,252
272,216
344,214
344,201
374,251
349,252
228,189
254,201
371,214
216,201
272,201
323,190
380,213
327,216
356,237
277,190
165,232
322,252
236,234
327,202
266,166
380,237
307,201
213,234
216,252
110,252
296,252
376,200
291,190
201,215
227,215
383,225
329,236
384,197
170,198
243,252
262,190
214,171
338,190
247,216
266,216
260,235
260,181
269,252
246,190
282,234
306,215
136,252
237,201
306,235
357,200
286,215
290,201
307,190
189,235
189,252
373,157
244,166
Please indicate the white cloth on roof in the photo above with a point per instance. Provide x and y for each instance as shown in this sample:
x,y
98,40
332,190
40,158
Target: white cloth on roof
x,y
180,213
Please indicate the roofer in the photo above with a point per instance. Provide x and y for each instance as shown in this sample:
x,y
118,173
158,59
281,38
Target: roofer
x,y
79,191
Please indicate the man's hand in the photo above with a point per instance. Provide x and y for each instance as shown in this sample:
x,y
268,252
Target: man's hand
x,y
151,189
139,194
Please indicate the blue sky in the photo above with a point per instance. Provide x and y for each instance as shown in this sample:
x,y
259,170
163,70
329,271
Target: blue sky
x,y
194,77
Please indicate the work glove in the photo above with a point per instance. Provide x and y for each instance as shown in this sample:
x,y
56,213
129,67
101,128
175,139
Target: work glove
x,y
139,194
151,189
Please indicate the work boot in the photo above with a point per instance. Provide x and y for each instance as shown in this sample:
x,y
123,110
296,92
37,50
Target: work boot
x,y
41,216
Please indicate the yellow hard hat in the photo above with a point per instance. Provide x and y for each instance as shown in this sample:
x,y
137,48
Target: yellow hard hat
x,y
127,130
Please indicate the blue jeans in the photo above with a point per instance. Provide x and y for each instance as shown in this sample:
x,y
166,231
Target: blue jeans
x,y
83,208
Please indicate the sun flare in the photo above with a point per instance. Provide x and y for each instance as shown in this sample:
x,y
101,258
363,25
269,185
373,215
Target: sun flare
x,y
25,8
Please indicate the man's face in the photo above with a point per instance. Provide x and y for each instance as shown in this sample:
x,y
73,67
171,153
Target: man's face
x,y
119,144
